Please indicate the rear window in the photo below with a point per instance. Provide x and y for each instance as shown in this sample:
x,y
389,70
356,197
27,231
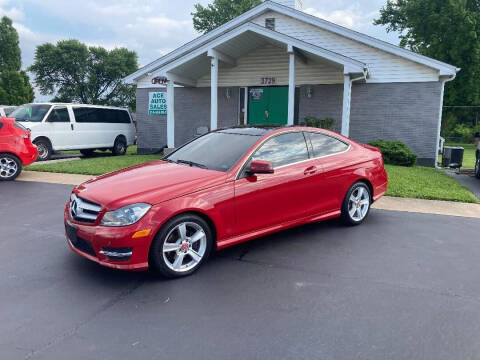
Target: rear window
x,y
99,115
324,145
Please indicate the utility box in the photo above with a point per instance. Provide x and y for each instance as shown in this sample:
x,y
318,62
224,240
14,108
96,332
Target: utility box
x,y
452,157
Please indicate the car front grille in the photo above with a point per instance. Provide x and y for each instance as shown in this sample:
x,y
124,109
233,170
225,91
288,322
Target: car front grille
x,y
82,210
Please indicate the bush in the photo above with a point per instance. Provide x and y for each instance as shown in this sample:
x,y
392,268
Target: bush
x,y
463,132
395,152
326,123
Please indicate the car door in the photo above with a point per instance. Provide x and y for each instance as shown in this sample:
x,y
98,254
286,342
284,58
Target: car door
x,y
331,155
59,129
266,200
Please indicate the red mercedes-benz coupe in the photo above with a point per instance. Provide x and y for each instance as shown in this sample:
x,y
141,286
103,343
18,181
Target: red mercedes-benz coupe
x,y
16,149
221,189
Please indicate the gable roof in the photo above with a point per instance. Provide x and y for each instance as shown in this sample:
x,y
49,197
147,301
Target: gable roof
x,y
350,65
443,68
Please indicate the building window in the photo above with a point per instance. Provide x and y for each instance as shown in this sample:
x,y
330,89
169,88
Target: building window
x,y
270,23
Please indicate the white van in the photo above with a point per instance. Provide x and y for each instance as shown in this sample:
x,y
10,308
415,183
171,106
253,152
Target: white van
x,y
86,128
6,110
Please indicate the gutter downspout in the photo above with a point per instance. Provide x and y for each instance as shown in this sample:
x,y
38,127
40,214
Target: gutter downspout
x,y
346,124
439,126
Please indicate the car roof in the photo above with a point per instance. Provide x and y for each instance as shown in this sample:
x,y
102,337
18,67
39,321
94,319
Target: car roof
x,y
250,130
75,104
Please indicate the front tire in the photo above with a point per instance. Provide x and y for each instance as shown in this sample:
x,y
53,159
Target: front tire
x,y
119,146
477,169
181,246
356,205
44,149
10,167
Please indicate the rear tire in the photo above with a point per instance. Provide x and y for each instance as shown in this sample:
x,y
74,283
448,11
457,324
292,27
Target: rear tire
x,y
119,146
10,167
181,246
87,152
44,149
477,169
356,205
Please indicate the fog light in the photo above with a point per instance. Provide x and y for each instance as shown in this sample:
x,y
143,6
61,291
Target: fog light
x,y
120,254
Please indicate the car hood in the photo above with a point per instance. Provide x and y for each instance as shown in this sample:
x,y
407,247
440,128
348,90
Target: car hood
x,y
152,183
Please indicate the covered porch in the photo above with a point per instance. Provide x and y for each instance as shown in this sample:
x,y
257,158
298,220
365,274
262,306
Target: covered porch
x,y
254,56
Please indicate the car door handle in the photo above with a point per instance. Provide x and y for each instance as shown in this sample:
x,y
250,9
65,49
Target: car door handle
x,y
71,126
310,170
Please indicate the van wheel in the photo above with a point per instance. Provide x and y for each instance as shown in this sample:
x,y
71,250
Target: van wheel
x,y
10,167
87,152
44,149
119,146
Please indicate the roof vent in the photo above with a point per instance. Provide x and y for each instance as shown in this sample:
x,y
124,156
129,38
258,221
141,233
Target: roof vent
x,y
296,4
270,23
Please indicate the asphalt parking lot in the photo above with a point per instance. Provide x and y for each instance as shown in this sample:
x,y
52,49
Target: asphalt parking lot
x,y
401,286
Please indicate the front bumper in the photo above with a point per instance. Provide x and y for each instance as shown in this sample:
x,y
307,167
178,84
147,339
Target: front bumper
x,y
96,243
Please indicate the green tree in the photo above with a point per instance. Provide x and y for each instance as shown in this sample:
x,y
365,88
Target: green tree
x,y
74,72
207,18
447,30
15,86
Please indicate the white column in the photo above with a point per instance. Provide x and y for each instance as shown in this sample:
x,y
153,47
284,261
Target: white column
x,y
214,94
347,96
291,89
170,114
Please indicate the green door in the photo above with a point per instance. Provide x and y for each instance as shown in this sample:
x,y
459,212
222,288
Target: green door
x,y
268,105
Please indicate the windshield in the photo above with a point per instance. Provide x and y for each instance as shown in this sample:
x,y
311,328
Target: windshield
x,y
215,151
30,112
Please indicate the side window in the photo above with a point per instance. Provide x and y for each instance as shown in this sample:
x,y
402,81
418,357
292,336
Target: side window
x,y
283,149
87,115
59,114
1,125
324,145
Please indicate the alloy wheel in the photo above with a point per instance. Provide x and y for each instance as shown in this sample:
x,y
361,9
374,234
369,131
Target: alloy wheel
x,y
184,247
359,203
8,167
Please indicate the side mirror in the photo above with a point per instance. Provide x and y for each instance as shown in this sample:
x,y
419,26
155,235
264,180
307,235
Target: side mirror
x,y
260,167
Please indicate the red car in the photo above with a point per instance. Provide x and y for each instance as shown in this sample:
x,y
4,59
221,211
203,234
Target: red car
x,y
16,149
221,189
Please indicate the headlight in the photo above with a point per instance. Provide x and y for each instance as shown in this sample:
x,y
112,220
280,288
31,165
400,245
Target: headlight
x,y
127,215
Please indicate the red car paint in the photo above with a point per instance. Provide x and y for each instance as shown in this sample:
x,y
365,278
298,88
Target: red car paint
x,y
15,140
238,209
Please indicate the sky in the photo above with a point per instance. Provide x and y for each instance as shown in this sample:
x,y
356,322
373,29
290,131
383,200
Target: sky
x,y
150,27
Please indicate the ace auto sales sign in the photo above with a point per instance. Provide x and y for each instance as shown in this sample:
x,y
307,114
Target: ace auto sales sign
x,y
157,103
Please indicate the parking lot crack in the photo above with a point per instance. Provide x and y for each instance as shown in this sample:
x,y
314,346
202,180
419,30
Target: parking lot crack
x,y
73,330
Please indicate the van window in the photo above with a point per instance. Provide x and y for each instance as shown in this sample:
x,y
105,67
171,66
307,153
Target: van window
x,y
59,114
99,115
30,112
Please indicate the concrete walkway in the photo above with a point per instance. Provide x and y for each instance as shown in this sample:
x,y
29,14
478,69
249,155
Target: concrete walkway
x,y
53,178
429,207
386,203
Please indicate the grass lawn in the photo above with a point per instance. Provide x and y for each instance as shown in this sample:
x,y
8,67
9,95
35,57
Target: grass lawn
x,y
425,183
95,165
468,155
